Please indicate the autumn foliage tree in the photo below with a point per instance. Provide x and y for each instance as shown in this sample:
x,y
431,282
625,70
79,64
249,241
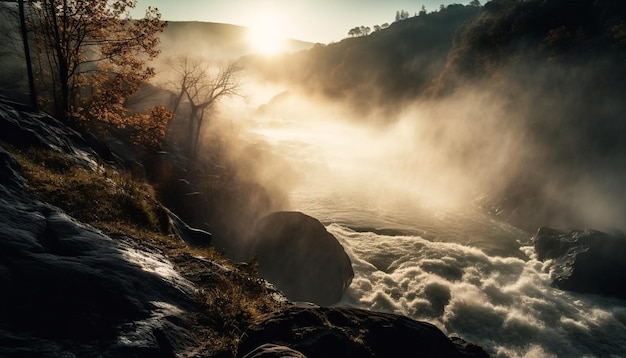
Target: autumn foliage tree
x,y
92,56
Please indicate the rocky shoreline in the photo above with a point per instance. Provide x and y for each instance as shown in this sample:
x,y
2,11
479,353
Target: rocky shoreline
x,y
73,290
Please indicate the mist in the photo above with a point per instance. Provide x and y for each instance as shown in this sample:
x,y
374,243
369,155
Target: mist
x,y
479,146
419,201
431,150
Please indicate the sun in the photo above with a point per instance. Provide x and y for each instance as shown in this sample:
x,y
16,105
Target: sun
x,y
265,35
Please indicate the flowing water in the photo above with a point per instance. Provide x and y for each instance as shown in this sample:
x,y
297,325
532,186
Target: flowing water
x,y
470,275
451,265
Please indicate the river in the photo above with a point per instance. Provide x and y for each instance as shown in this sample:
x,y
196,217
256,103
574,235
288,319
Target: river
x,y
417,254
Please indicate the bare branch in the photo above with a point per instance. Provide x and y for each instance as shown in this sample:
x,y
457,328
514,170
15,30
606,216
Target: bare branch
x,y
203,86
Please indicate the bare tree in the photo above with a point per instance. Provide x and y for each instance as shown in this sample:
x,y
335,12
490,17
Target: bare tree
x,y
200,86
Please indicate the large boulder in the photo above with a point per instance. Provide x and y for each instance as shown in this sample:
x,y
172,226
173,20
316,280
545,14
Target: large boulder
x,y
298,255
347,332
585,261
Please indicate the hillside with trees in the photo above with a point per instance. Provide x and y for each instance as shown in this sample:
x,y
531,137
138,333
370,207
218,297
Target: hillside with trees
x,y
554,68
560,63
398,62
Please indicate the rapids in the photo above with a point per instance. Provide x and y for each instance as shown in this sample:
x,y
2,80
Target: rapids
x,y
451,265
462,273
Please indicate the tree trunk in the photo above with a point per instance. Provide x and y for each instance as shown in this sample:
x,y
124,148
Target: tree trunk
x,y
62,108
191,127
29,64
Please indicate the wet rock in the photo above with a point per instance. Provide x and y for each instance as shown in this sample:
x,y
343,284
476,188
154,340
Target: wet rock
x,y
345,332
191,236
42,131
298,255
585,261
274,351
9,168
68,290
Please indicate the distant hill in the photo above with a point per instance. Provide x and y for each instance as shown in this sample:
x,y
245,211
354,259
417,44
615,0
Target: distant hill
x,y
544,78
399,62
436,52
213,40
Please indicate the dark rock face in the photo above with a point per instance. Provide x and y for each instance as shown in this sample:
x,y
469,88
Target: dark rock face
x,y
68,290
298,255
585,261
344,332
42,131
274,351
189,235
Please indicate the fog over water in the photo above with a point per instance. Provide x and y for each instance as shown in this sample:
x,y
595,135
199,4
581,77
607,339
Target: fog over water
x,y
400,201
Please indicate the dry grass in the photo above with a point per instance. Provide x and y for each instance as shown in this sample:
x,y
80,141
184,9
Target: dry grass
x,y
229,296
107,197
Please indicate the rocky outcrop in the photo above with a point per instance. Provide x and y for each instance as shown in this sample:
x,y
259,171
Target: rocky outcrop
x,y
189,235
274,351
69,290
298,255
586,261
39,130
345,332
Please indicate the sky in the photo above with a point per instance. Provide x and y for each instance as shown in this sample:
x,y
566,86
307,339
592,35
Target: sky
x,y
321,21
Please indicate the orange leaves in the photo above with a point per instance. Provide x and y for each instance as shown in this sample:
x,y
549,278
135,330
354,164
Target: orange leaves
x,y
150,128
96,54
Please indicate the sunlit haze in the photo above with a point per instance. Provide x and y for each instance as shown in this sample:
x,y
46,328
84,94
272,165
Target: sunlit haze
x,y
315,21
264,32
460,164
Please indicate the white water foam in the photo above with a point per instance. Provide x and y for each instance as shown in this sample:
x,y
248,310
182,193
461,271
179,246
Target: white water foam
x,y
504,304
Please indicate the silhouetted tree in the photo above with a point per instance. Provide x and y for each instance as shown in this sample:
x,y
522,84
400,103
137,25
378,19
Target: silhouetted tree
x,y
402,15
474,3
29,63
12,18
201,87
355,31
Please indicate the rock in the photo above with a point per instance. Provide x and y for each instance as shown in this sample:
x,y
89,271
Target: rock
x,y
42,131
298,255
585,261
274,351
191,236
68,290
9,168
346,332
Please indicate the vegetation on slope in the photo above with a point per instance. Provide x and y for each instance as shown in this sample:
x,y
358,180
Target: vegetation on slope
x,y
229,295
